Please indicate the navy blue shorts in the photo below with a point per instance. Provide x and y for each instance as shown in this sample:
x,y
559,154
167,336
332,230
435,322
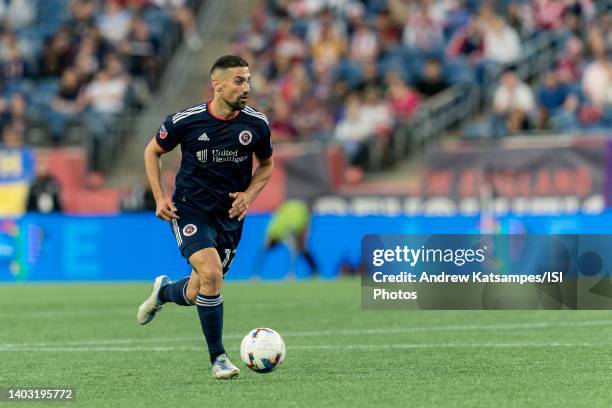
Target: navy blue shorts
x,y
193,234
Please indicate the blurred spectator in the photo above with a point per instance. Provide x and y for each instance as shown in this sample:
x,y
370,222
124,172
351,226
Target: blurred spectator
x,y
82,18
13,66
327,48
44,194
12,136
566,118
282,125
141,50
431,81
114,22
105,97
550,96
501,42
512,103
66,104
364,43
13,111
353,131
424,28
403,100
16,14
86,62
597,80
520,18
548,14
377,112
572,62
467,42
184,15
58,54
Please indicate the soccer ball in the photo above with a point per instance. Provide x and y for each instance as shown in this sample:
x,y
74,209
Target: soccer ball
x,y
262,350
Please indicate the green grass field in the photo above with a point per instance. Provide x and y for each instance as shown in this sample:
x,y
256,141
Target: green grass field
x,y
85,337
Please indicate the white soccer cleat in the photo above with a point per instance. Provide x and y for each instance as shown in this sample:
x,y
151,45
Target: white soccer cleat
x,y
223,369
148,308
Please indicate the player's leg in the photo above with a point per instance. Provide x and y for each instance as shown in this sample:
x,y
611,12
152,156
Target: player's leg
x,y
209,301
182,291
303,250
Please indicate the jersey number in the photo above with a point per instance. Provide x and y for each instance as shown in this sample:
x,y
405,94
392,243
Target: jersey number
x,y
230,254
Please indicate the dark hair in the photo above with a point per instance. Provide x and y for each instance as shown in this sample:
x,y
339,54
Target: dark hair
x,y
228,61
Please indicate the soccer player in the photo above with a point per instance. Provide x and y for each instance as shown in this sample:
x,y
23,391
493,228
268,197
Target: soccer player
x,y
215,186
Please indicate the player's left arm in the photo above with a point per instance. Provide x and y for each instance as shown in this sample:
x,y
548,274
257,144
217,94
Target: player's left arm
x,y
243,200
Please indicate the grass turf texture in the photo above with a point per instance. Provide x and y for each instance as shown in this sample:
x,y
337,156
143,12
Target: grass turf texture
x,y
85,336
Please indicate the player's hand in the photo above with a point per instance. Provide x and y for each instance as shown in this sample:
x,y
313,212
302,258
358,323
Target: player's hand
x,y
165,209
241,204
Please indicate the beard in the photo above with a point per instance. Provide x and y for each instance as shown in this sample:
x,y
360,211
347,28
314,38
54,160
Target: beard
x,y
238,104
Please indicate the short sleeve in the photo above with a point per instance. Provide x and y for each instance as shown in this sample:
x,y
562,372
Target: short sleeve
x,y
263,149
168,136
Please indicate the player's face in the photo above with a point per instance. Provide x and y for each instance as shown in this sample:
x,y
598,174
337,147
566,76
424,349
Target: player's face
x,y
236,87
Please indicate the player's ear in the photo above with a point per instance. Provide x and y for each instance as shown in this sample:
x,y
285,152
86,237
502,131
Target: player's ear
x,y
216,85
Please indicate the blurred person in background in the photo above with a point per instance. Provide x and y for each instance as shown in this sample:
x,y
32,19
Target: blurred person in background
x,y
513,103
114,21
65,105
551,95
12,136
290,225
184,15
403,100
140,50
17,14
44,194
58,54
431,82
353,132
13,111
104,98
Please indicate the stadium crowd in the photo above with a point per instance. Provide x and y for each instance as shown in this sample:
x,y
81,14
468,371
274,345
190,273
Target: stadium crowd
x,y
350,71
87,63
341,71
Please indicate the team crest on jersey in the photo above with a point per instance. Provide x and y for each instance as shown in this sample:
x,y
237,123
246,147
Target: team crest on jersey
x,y
163,132
189,230
245,137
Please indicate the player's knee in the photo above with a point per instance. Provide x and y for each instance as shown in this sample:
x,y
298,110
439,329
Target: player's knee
x,y
208,265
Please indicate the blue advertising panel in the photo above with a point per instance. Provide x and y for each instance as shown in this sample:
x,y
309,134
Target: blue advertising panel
x,y
58,247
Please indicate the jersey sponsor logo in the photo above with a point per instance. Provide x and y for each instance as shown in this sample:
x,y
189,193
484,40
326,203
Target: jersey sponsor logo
x,y
203,137
245,137
189,230
227,155
202,155
162,132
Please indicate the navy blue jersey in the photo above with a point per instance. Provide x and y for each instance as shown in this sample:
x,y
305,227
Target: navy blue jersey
x,y
217,158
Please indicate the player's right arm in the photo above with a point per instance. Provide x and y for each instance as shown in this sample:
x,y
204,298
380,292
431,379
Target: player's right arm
x,y
165,208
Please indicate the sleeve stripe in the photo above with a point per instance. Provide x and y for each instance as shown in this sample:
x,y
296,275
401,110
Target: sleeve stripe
x,y
257,115
187,114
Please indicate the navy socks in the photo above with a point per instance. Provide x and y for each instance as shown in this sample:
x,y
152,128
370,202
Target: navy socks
x,y
175,292
210,311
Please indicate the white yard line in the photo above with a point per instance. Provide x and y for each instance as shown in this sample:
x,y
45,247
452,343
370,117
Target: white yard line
x,y
340,347
350,332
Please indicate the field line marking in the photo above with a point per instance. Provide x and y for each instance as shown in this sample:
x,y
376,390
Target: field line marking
x,y
340,347
349,332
